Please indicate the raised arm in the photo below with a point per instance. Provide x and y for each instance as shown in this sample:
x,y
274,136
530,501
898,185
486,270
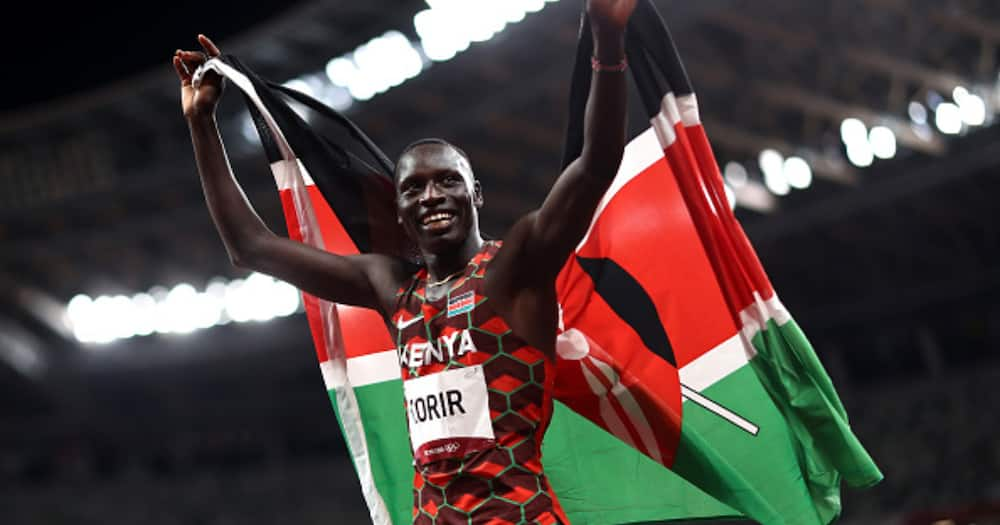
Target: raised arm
x,y
363,280
551,233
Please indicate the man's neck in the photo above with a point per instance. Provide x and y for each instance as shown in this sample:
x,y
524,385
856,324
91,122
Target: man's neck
x,y
442,265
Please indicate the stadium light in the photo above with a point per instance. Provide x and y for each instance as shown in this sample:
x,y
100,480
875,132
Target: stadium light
x,y
864,145
917,113
970,105
771,164
852,131
797,172
181,310
883,142
447,28
948,118
860,154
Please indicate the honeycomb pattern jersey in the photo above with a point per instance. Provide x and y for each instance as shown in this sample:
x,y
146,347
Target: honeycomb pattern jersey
x,y
499,482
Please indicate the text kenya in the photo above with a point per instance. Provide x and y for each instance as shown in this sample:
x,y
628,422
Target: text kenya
x,y
446,348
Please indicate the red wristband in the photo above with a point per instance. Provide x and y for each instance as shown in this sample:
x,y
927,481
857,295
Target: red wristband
x,y
596,65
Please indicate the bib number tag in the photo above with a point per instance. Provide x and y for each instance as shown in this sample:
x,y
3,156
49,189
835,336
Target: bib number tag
x,y
449,414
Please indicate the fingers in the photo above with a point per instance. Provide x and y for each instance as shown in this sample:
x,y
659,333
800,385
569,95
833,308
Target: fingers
x,y
210,48
195,58
182,70
185,62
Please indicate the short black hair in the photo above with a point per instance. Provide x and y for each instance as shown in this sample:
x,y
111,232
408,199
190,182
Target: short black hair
x,y
423,142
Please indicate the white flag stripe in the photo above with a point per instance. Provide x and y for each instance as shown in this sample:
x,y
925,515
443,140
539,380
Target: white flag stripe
x,y
687,106
755,317
284,177
714,365
370,369
664,131
668,107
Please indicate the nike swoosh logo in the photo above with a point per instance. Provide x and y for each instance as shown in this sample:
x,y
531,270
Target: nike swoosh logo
x,y
401,325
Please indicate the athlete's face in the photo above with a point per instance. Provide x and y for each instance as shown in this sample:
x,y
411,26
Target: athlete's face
x,y
437,197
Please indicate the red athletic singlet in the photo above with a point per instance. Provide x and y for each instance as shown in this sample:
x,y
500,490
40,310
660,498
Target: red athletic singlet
x,y
477,401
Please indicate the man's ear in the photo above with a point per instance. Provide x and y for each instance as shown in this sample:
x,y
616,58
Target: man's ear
x,y
477,194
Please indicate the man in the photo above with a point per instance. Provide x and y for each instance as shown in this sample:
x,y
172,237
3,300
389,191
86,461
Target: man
x,y
473,310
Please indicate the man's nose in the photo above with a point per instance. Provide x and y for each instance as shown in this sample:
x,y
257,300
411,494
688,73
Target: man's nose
x,y
431,195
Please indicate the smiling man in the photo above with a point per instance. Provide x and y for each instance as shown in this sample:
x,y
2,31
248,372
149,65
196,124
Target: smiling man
x,y
475,324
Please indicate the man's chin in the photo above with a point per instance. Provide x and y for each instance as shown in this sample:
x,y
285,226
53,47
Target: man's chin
x,y
437,241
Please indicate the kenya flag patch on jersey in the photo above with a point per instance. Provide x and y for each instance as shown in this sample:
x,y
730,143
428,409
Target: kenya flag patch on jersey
x,y
461,303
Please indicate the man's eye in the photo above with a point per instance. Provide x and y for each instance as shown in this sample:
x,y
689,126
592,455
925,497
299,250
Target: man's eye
x,y
453,179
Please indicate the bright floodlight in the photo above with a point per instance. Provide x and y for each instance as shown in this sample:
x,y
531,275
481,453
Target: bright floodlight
x,y
772,165
442,32
736,174
948,118
852,130
78,308
776,182
917,112
237,308
798,173
286,299
883,142
384,62
79,312
341,71
513,11
120,309
183,308
258,292
770,161
207,310
164,322
180,310
531,6
144,308
486,20
860,154
973,109
105,325
959,93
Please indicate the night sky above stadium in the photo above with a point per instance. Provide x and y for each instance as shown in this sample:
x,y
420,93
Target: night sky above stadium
x,y
56,49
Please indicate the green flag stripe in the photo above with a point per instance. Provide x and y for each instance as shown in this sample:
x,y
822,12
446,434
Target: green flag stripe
x,y
386,434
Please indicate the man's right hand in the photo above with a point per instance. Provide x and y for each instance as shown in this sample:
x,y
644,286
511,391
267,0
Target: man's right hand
x,y
199,102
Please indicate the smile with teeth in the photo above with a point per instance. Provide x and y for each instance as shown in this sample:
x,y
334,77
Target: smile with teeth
x,y
436,220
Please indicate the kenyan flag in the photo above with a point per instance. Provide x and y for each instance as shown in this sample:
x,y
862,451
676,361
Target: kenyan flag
x,y
763,431
685,390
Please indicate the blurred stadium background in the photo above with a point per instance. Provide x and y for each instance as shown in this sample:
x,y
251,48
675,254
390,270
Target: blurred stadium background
x,y
145,380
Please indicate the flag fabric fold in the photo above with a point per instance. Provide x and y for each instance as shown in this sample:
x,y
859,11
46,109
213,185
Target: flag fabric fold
x,y
684,388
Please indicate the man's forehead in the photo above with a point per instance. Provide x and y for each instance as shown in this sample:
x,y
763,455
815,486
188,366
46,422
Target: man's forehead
x,y
433,158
